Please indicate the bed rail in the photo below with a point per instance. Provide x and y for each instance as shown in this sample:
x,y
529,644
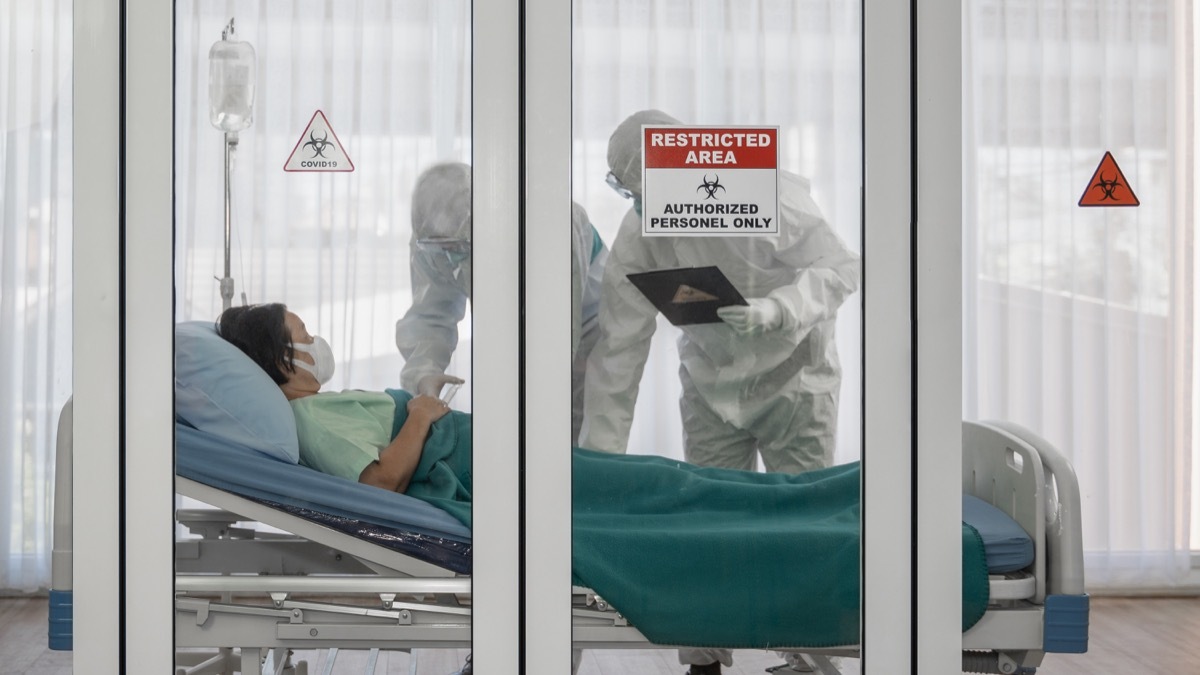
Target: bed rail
x,y
1064,531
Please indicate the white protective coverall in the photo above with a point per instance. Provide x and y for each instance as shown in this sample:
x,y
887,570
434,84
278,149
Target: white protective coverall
x,y
774,394
427,334
589,256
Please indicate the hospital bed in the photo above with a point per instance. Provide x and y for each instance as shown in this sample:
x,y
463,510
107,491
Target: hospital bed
x,y
320,581
285,558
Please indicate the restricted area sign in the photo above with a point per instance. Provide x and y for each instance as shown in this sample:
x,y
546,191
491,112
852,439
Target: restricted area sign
x,y
710,181
318,149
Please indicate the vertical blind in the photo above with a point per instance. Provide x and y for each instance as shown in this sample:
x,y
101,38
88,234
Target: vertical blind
x,y
35,277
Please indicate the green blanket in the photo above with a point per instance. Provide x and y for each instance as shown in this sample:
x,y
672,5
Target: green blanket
x,y
443,476
702,556
718,558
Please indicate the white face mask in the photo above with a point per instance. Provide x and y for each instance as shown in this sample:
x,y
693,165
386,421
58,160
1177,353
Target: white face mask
x,y
322,357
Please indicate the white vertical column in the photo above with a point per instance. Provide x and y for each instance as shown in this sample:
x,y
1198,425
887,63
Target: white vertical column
x,y
97,333
939,335
887,320
548,336
496,314
149,339
1187,117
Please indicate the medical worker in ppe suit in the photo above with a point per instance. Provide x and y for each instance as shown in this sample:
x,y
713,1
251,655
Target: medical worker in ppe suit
x,y
427,334
763,382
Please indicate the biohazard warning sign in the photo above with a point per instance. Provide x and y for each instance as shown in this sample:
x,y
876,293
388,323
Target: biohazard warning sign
x,y
318,149
710,181
1108,186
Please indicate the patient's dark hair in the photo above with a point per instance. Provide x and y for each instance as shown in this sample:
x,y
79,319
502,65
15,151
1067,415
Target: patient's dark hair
x,y
260,332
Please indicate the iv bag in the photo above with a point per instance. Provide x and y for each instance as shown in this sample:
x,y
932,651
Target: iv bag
x,y
231,85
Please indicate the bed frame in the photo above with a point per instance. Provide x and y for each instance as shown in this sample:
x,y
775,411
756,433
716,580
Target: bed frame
x,y
247,598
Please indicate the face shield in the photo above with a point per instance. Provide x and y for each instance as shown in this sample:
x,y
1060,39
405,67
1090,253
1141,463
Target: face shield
x,y
441,220
625,149
441,203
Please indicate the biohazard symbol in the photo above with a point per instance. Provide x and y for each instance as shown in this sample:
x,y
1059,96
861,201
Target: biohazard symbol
x,y
710,187
318,148
1108,186
318,144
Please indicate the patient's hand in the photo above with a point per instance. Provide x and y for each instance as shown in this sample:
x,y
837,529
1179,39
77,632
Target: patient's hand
x,y
427,409
399,459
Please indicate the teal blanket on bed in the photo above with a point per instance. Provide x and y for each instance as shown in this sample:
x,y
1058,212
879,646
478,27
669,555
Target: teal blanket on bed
x,y
700,556
712,557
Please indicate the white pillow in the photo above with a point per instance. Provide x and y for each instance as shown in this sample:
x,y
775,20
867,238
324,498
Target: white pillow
x,y
220,390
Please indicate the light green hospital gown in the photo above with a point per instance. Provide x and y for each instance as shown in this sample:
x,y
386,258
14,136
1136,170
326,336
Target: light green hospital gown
x,y
341,433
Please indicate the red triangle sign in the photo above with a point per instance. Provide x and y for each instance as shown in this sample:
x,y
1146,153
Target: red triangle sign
x,y
1108,186
318,149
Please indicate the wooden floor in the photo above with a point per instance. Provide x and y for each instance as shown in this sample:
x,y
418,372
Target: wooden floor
x,y
1142,636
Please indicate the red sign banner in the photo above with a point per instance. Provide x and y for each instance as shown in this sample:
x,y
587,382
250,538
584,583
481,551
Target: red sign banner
x,y
710,148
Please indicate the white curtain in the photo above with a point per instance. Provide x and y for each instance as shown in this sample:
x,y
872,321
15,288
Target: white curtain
x,y
35,277
791,63
1079,321
393,79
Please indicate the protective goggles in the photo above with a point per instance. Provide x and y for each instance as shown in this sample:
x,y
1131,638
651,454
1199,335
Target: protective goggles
x,y
616,184
437,249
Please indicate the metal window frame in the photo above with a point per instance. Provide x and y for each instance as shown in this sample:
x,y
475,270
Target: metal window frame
x,y
912,333
143,302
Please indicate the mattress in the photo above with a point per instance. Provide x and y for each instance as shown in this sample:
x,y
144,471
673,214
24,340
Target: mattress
x,y
1007,547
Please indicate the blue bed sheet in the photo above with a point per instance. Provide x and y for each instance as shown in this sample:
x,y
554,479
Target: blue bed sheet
x,y
394,520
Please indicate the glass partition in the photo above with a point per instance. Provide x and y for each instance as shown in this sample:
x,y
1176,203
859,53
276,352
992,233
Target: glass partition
x,y
1079,283
323,347
716,186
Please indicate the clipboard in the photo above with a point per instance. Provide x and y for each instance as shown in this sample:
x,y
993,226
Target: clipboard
x,y
688,295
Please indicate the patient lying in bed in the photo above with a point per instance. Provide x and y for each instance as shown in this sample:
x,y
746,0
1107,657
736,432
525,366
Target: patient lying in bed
x,y
660,539
348,434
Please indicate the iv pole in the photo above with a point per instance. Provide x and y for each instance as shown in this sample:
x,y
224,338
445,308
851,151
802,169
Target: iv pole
x,y
231,140
231,90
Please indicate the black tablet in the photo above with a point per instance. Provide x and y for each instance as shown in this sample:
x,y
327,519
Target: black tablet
x,y
688,295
